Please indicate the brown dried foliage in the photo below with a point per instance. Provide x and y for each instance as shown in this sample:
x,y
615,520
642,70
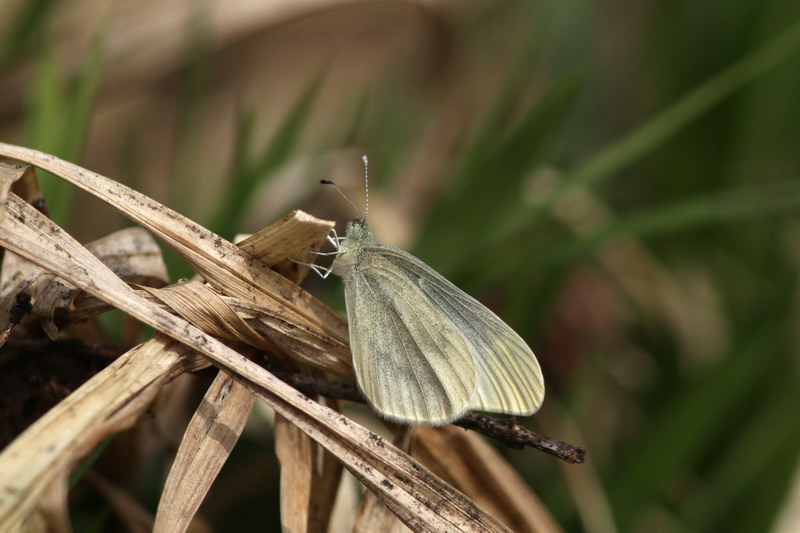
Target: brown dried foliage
x,y
452,481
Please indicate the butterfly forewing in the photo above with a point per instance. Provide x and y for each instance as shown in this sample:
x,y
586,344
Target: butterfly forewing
x,y
411,365
509,379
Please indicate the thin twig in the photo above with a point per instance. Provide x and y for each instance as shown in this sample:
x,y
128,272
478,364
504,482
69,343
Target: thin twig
x,y
505,430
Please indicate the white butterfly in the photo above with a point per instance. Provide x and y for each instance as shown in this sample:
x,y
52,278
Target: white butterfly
x,y
424,351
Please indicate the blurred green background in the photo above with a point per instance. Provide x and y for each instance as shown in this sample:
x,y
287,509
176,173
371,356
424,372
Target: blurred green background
x,y
620,181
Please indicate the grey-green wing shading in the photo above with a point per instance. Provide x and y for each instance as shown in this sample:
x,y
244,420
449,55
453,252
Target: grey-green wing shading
x,y
480,362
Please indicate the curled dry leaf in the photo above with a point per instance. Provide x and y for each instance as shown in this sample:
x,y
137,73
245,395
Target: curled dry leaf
x,y
131,254
9,175
291,236
310,474
202,306
199,456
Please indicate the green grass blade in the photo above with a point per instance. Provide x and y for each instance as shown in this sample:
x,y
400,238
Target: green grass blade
x,y
491,180
58,119
725,208
664,126
82,101
28,26
249,172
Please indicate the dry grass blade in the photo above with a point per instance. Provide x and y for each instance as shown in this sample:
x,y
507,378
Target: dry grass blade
x,y
52,510
131,254
220,418
295,452
419,498
374,516
200,305
302,325
296,236
206,445
309,479
471,465
309,474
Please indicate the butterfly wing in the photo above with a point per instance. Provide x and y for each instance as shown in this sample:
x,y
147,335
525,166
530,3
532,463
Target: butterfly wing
x,y
508,378
412,365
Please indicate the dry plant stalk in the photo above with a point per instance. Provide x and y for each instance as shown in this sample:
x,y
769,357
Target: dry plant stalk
x,y
246,301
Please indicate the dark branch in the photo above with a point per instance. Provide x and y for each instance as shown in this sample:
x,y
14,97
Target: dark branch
x,y
21,308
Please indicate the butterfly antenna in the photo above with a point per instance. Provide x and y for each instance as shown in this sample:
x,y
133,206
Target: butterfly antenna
x,y
366,186
329,182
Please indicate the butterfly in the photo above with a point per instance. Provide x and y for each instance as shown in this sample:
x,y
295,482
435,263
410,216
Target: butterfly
x,y
424,351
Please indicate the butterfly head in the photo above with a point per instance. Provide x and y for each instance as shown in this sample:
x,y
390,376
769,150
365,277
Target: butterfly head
x,y
359,231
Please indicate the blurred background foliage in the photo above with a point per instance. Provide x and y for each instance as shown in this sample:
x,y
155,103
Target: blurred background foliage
x,y
619,180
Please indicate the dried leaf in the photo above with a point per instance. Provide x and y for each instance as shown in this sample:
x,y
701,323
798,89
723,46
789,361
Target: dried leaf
x,y
327,479
295,452
9,174
373,515
206,445
221,263
131,254
309,475
202,306
291,235
27,187
51,506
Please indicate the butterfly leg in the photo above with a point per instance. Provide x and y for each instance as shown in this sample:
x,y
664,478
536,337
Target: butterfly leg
x,y
321,271
324,272
334,239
